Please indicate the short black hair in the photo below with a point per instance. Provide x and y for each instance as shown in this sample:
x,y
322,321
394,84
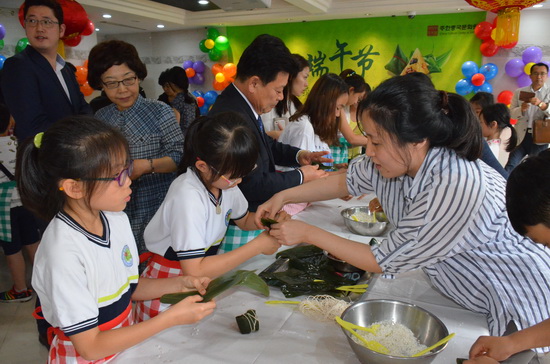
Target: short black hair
x,y
483,99
113,53
528,193
265,57
540,64
52,4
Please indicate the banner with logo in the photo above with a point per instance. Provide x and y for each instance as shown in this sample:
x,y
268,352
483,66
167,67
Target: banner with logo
x,y
378,48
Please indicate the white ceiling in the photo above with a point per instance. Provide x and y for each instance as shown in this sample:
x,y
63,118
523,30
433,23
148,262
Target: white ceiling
x,y
131,16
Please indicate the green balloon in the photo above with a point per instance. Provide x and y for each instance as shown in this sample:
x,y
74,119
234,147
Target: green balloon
x,y
1,44
212,33
214,54
221,43
202,47
21,44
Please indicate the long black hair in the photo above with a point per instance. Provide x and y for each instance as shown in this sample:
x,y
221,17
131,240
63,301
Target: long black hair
x,y
224,141
411,110
282,106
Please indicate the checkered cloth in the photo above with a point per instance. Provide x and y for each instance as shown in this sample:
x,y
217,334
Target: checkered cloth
x,y
340,153
158,267
62,350
235,237
6,193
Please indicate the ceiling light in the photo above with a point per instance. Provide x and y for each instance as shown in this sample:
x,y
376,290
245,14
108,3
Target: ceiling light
x,y
97,29
538,6
160,26
203,2
107,16
459,9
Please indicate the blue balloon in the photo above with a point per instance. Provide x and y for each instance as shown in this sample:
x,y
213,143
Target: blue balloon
x,y
204,109
486,87
464,87
469,69
489,70
187,64
2,59
198,93
210,97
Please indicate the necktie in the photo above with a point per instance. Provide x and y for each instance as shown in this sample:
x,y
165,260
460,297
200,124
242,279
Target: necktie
x,y
261,125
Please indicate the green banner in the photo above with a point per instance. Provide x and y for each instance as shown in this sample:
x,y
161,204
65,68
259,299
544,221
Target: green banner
x,y
378,48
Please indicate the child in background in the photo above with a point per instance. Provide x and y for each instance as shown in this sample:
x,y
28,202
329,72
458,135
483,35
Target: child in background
x,y
18,227
528,206
315,126
186,232
76,174
500,134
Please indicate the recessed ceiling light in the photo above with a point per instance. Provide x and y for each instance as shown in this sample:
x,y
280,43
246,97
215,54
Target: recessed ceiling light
x,y
203,2
459,9
107,16
538,6
97,29
160,26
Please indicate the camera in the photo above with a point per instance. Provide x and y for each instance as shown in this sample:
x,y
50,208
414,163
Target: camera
x,y
411,14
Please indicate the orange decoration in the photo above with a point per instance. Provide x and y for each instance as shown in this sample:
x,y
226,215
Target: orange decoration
x,y
190,72
218,86
229,70
86,89
217,68
81,74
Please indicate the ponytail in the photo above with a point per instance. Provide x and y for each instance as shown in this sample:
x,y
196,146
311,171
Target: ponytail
x,y
500,114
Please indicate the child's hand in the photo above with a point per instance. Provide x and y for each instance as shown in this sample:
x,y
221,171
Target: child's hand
x,y
282,216
269,245
190,310
195,283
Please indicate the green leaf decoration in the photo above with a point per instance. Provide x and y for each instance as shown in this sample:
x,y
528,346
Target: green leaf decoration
x,y
398,61
219,285
324,168
267,222
442,59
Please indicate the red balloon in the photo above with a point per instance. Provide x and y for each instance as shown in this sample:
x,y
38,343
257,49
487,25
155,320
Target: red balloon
x,y
510,45
513,121
200,101
217,68
478,79
488,48
218,86
190,72
72,42
483,30
505,97
90,27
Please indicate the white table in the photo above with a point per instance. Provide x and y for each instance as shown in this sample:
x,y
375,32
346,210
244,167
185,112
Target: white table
x,y
286,335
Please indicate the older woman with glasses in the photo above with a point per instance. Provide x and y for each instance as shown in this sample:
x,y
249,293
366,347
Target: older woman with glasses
x,y
154,136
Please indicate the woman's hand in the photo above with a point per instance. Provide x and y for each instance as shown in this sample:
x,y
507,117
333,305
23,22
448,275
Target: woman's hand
x,y
290,232
497,347
189,310
481,360
191,283
269,209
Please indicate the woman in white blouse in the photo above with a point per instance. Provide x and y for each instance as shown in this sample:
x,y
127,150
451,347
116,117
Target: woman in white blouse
x,y
448,208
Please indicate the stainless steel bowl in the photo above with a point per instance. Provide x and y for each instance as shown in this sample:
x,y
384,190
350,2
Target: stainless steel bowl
x,y
365,228
341,265
427,328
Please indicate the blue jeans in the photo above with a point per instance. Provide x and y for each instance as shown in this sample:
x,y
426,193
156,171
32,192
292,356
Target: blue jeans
x,y
526,147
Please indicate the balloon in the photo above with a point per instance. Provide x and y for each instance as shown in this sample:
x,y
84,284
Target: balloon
x,y
198,93
214,54
489,70
2,59
190,72
218,86
488,48
202,46
86,89
222,43
85,65
81,74
469,68
513,121
209,44
514,67
486,87
90,27
187,64
527,68
200,101
21,44
212,33
210,97
463,87
1,44
505,97
483,30
532,54
229,70
220,77
2,31
72,42
523,80
478,79
510,45
217,68
199,66
198,79
204,109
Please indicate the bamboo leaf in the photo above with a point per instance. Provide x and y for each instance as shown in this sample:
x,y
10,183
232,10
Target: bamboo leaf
x,y
398,61
267,222
442,59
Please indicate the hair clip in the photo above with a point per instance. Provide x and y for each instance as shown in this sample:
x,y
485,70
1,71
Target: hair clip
x,y
351,74
61,189
38,140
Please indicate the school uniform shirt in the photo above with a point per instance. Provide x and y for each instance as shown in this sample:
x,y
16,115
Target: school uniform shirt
x,y
188,224
84,280
451,221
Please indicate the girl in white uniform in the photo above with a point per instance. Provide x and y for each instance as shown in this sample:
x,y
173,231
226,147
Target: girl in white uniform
x,y
185,233
448,208
496,128
76,174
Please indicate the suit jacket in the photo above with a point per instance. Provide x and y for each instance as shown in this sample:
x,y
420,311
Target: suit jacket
x,y
34,95
264,181
522,117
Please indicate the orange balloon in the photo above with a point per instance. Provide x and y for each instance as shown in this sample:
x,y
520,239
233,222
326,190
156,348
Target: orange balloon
x,y
218,86
229,70
190,72
217,68
81,74
86,89
220,77
85,65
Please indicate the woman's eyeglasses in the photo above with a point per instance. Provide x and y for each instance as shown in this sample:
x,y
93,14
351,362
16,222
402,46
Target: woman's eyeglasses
x,y
130,81
120,178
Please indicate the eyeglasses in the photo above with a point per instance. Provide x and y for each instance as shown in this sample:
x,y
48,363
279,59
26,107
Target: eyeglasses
x,y
231,182
536,74
114,84
46,23
120,178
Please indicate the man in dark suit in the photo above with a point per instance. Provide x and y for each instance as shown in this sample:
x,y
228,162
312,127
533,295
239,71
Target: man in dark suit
x,y
38,87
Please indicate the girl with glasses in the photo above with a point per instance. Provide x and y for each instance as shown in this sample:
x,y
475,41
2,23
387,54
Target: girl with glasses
x,y
186,232
76,174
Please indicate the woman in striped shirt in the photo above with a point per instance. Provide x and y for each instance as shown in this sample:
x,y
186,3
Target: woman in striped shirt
x,y
448,207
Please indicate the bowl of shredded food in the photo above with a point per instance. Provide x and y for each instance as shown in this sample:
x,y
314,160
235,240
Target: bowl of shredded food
x,y
361,220
396,332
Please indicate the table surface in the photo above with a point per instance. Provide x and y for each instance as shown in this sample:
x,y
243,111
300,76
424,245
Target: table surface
x,y
285,334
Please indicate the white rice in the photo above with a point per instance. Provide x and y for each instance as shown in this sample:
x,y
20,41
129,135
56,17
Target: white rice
x,y
363,217
398,339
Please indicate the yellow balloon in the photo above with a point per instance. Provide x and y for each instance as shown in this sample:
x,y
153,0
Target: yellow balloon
x,y
220,77
527,68
209,43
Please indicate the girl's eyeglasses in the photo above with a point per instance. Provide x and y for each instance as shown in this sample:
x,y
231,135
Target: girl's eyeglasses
x,y
120,178
230,182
